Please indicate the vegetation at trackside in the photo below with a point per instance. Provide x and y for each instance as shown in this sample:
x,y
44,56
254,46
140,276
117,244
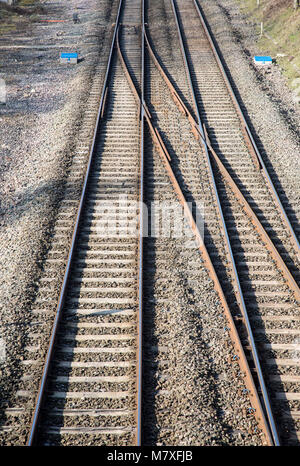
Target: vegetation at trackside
x,y
18,16
281,34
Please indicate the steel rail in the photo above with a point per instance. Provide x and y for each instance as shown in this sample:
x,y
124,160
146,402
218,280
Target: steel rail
x,y
269,423
240,354
255,221
236,191
43,382
142,219
248,133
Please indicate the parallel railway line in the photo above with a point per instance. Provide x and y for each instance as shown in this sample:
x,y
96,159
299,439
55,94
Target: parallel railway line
x,y
197,48
102,292
168,132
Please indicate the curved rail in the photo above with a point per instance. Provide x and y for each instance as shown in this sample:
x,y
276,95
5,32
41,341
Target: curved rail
x,y
238,288
240,198
240,355
247,133
237,192
43,382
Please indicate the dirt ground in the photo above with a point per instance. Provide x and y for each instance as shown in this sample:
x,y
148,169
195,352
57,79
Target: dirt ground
x,y
39,125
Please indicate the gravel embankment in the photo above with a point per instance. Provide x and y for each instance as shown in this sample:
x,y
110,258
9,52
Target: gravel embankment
x,y
43,113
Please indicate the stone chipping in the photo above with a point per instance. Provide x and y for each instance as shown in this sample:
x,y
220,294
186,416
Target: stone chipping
x,y
44,108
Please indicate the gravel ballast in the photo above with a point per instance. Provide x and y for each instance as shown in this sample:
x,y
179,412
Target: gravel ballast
x,y
44,108
40,123
269,104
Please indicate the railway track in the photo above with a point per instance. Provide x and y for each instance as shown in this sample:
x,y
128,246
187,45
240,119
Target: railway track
x,y
211,326
262,284
91,380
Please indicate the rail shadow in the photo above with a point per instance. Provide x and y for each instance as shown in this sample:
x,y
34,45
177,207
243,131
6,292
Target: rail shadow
x,y
181,177
268,223
209,240
275,178
284,250
259,326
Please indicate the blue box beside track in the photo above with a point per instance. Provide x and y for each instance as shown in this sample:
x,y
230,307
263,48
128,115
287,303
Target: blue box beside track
x,y
68,57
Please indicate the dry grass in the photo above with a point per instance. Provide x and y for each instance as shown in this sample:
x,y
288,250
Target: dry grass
x,y
281,36
18,17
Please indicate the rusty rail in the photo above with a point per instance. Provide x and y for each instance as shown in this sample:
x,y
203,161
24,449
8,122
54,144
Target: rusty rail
x,y
257,158
236,191
239,356
250,213
142,219
238,195
43,382
269,427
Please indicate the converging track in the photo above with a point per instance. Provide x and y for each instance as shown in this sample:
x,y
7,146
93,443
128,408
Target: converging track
x,y
189,339
244,183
